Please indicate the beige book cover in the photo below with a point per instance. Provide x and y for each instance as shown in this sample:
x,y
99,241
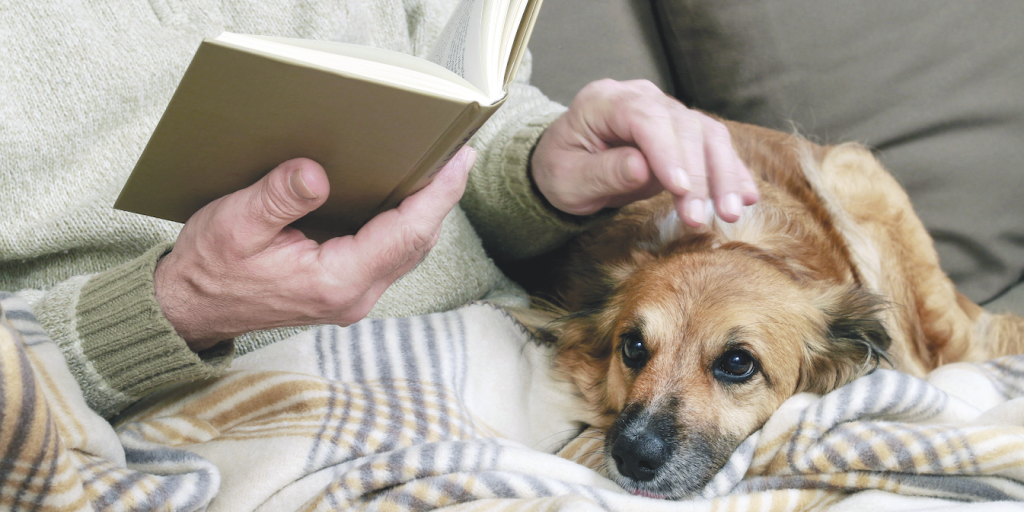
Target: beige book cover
x,y
240,111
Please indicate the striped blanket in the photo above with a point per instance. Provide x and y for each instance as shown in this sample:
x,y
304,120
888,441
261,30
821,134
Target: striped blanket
x,y
462,410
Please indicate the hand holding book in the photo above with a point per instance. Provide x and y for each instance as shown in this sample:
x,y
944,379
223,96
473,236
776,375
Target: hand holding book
x,y
381,123
237,265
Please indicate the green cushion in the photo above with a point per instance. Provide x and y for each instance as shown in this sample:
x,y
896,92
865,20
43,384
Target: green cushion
x,y
935,86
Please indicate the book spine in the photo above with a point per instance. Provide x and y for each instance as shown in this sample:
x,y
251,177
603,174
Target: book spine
x,y
447,145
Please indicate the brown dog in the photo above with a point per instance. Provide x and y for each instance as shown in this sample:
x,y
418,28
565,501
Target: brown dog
x,y
686,340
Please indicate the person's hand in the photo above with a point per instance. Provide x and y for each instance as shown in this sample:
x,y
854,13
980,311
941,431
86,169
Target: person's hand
x,y
238,267
621,142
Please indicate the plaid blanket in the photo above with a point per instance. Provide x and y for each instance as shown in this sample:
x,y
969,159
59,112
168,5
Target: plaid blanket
x,y
462,410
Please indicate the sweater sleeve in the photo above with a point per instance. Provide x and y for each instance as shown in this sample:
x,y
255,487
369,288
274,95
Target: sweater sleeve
x,y
93,317
508,212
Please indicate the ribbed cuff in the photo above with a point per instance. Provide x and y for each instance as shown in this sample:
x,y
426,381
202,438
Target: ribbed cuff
x,y
129,344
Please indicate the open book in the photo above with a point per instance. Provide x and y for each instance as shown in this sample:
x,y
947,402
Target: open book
x,y
381,123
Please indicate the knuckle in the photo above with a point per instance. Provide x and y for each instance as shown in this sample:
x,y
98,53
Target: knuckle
x,y
361,308
605,84
646,87
624,172
434,238
417,238
412,243
603,88
647,111
388,259
271,203
692,130
718,132
338,297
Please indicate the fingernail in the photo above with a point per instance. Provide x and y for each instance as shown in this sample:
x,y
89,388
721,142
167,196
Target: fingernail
x,y
628,176
299,186
470,158
695,211
680,178
732,204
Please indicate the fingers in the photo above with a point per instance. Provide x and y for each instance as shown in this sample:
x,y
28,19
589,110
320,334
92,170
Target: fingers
x,y
397,239
615,177
707,161
691,205
730,180
689,153
638,113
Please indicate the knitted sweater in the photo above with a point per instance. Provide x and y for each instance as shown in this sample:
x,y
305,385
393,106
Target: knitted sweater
x,y
85,82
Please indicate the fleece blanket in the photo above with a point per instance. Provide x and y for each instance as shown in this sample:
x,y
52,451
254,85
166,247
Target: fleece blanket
x,y
462,411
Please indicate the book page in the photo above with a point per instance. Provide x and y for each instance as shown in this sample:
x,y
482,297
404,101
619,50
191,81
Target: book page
x,y
514,17
370,53
460,47
372,63
520,39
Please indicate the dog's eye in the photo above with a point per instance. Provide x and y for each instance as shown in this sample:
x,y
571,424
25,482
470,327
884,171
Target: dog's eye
x,y
735,366
634,353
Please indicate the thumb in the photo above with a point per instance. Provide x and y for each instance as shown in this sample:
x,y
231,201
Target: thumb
x,y
602,177
621,170
284,195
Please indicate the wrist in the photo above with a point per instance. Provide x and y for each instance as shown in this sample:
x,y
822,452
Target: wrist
x,y
180,300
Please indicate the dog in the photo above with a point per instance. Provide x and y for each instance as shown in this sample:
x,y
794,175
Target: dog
x,y
685,340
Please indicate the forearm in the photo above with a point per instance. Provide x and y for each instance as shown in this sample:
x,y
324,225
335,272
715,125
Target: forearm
x,y
115,338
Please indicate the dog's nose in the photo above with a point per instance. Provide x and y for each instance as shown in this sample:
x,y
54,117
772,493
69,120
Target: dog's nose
x,y
639,457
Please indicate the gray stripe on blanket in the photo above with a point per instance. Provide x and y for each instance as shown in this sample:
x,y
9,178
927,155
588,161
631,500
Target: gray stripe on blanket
x,y
1007,373
938,486
14,309
412,374
434,356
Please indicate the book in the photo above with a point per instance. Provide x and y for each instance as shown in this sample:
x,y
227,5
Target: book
x,y
381,123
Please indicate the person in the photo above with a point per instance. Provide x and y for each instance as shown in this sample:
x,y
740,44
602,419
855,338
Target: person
x,y
137,303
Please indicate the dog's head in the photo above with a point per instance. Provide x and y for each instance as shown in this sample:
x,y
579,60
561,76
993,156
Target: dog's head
x,y
685,354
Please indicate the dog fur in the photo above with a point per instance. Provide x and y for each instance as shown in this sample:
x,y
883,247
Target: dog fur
x,y
685,340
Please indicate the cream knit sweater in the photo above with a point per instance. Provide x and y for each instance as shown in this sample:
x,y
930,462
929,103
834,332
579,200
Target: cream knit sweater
x,y
84,84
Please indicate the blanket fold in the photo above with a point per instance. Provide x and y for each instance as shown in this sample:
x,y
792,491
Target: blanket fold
x,y
462,410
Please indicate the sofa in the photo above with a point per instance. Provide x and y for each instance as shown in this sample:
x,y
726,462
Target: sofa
x,y
934,87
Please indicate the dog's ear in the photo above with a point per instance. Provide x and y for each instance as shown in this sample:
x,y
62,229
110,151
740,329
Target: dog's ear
x,y
589,282
853,343
584,347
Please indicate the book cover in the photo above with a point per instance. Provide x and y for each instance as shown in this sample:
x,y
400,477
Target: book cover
x,y
238,113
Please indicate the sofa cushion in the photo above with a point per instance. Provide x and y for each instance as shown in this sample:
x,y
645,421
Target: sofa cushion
x,y
578,41
936,87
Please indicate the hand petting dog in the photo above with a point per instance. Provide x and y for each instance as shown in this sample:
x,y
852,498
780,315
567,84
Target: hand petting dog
x,y
621,142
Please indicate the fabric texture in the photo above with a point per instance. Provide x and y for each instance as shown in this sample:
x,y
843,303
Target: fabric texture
x,y
462,410
83,93
933,86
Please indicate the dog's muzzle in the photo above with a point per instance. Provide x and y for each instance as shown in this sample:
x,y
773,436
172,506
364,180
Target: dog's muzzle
x,y
641,442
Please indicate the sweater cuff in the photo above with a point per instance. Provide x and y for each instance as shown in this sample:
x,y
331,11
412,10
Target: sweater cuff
x,y
125,344
520,184
520,222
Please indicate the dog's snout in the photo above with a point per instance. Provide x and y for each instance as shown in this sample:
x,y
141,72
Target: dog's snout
x,y
639,457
